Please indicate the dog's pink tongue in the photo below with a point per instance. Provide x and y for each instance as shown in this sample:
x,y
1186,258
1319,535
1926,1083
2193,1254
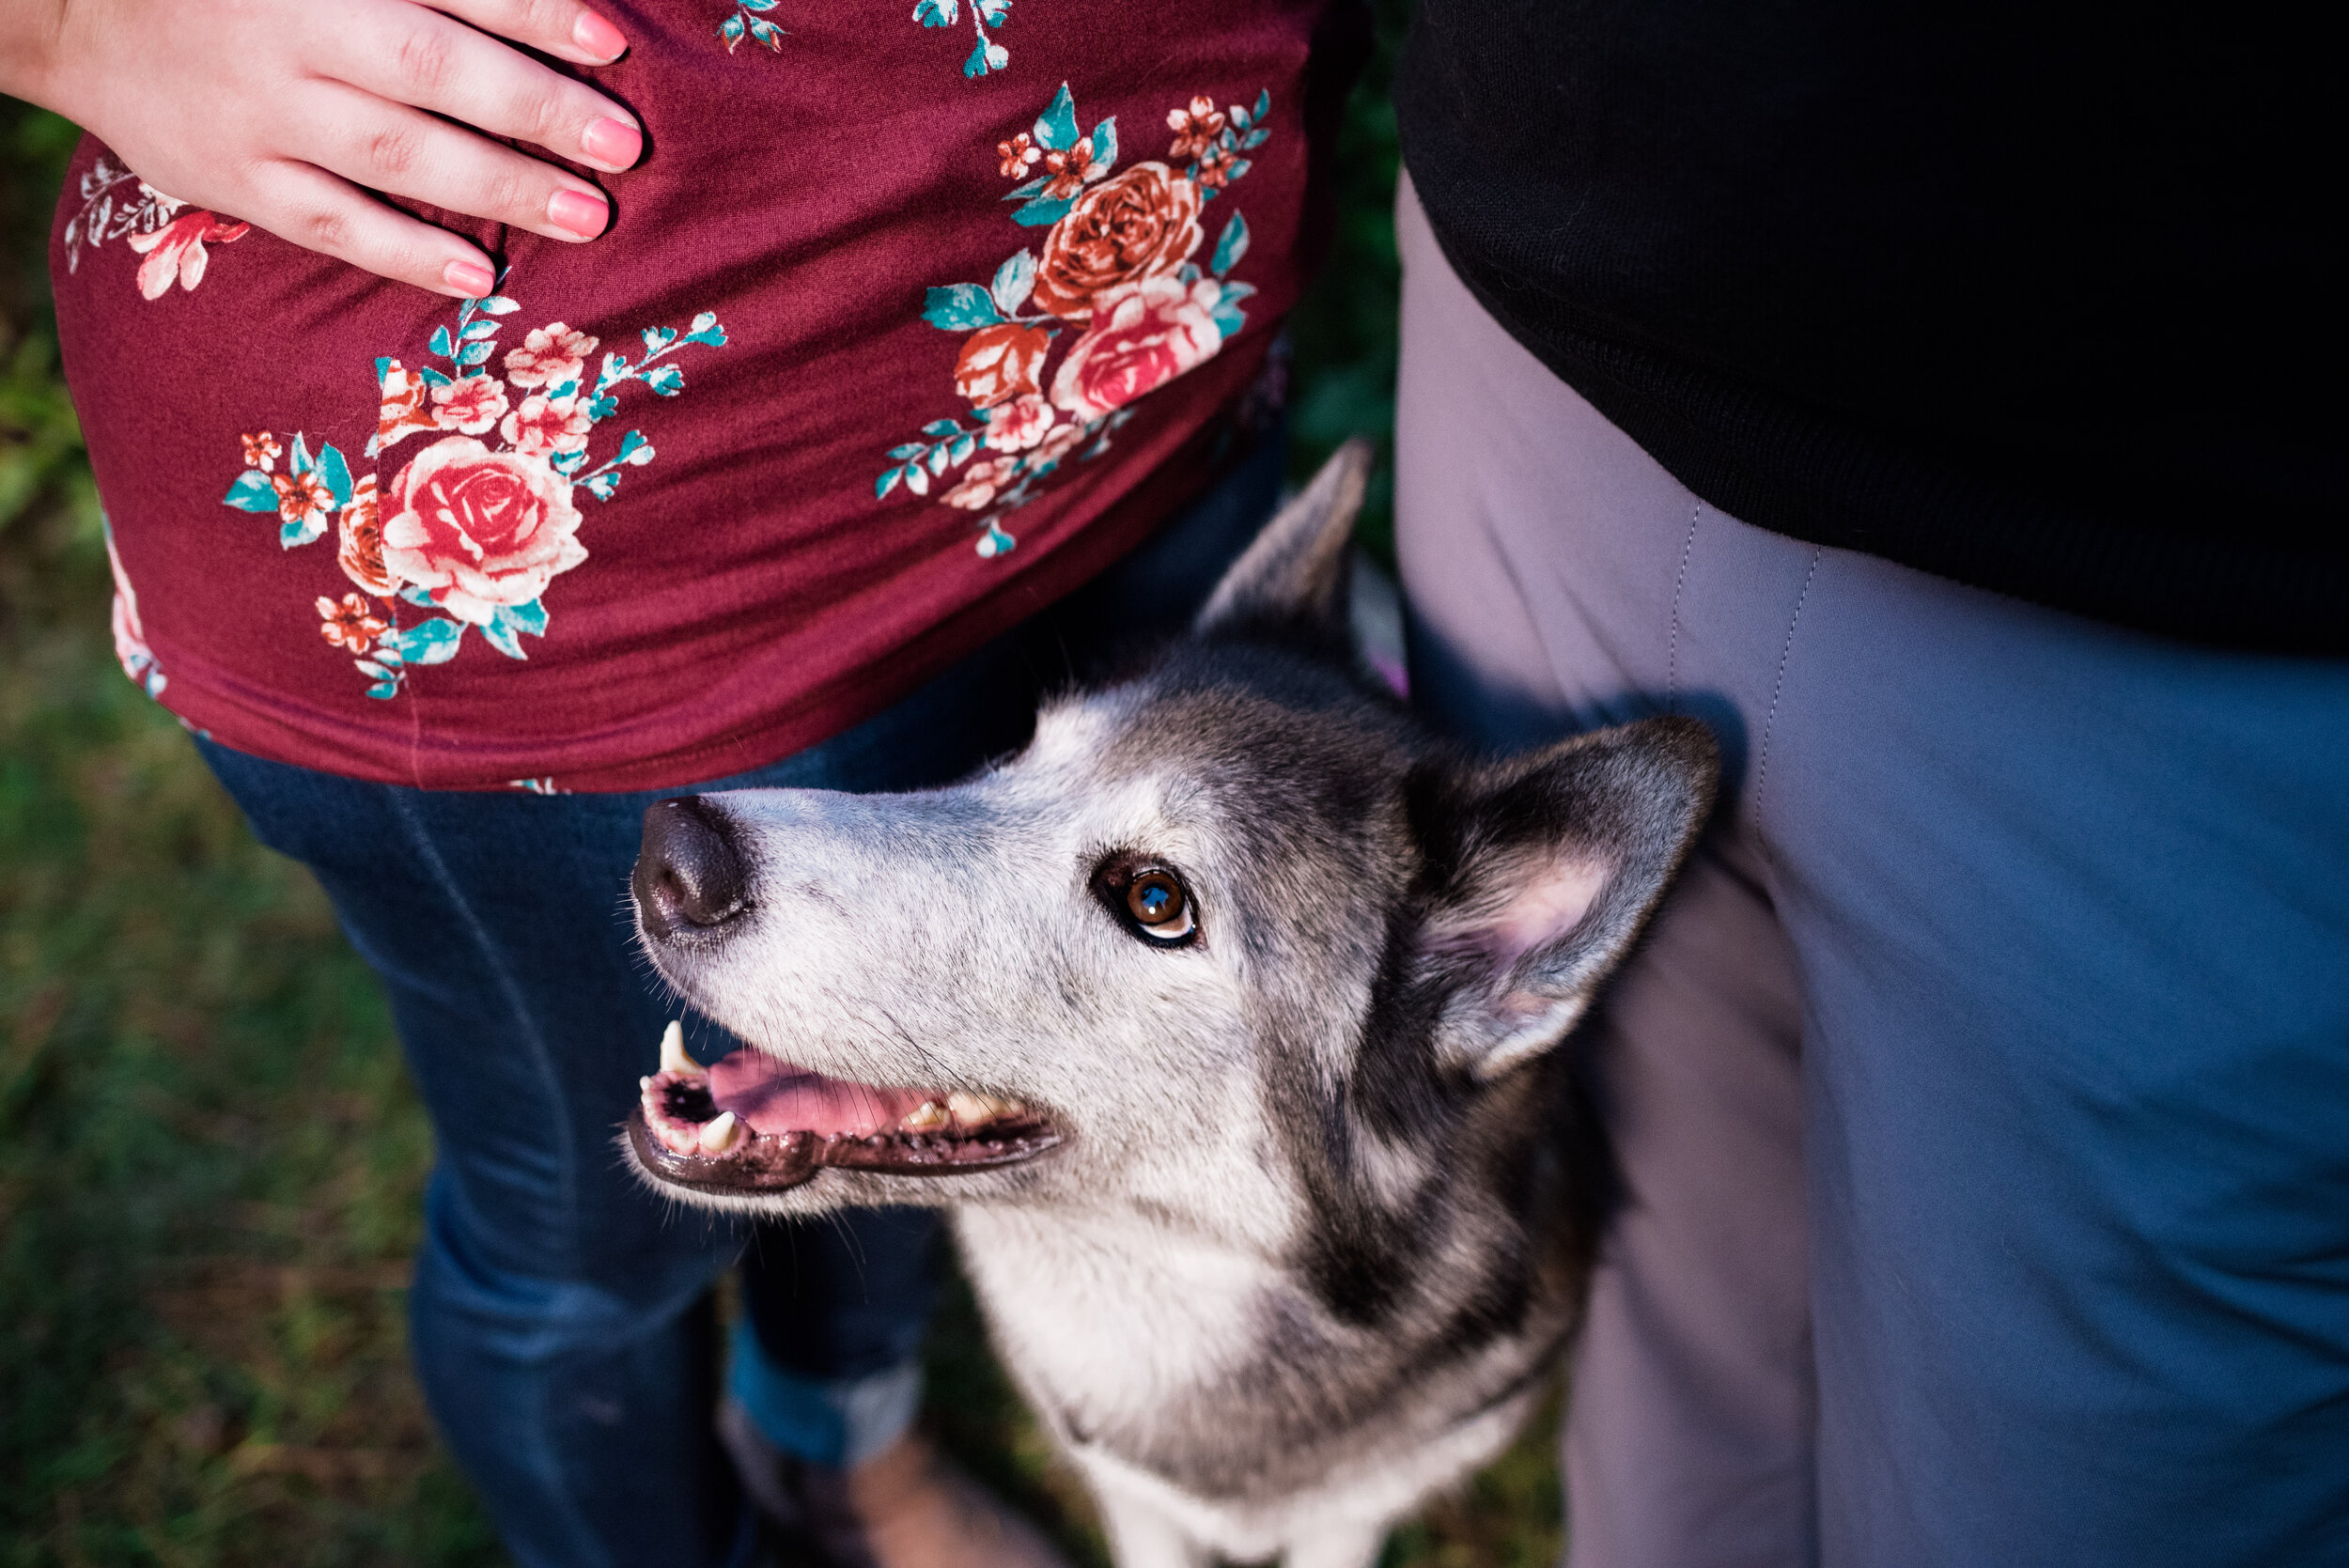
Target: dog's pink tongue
x,y
775,1097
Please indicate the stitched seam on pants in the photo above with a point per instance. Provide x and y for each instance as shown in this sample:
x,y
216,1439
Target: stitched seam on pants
x,y
1778,689
1672,652
544,1063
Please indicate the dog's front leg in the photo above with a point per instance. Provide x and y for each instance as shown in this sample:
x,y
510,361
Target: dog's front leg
x,y
1141,1536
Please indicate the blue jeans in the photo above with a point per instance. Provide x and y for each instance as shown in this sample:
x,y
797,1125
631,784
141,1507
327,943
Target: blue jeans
x,y
561,1315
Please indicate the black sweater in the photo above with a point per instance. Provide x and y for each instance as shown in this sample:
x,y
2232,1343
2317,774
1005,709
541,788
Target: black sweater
x,y
2032,299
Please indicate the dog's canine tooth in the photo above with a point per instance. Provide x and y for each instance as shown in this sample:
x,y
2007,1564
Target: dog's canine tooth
x,y
673,1057
721,1134
928,1114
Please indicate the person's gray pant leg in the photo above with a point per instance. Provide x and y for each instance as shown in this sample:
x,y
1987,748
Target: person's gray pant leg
x,y
1689,1438
2063,914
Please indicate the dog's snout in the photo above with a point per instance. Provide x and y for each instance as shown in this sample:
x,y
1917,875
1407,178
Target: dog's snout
x,y
688,871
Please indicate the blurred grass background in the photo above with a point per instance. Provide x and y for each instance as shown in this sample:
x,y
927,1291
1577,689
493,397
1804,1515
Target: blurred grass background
x,y
211,1164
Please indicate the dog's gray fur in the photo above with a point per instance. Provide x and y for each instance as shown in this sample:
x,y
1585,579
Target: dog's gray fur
x,y
1322,1218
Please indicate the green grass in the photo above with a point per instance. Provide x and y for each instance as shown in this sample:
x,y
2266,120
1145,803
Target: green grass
x,y
210,1163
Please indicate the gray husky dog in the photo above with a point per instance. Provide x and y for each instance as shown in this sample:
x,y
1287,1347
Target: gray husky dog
x,y
1223,1020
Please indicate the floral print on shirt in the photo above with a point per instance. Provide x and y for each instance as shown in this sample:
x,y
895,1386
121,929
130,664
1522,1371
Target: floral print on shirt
x,y
159,228
478,522
1115,272
748,19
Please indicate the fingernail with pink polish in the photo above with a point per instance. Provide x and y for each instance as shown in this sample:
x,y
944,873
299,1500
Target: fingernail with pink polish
x,y
612,143
583,214
471,277
599,37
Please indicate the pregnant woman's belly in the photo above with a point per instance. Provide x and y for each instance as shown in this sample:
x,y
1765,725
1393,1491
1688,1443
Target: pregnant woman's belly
x,y
905,325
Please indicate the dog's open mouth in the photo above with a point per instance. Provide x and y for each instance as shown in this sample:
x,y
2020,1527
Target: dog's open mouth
x,y
749,1123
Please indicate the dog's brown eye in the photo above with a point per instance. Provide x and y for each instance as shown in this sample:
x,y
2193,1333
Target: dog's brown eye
x,y
1160,907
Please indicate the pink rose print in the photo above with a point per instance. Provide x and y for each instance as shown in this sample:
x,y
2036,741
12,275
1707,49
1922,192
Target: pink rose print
x,y
177,251
484,515
980,482
1123,295
550,355
479,528
1020,424
361,554
545,423
402,411
1142,338
471,404
348,625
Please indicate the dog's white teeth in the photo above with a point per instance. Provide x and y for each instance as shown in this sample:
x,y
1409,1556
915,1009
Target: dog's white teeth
x,y
928,1114
973,1110
720,1135
673,1057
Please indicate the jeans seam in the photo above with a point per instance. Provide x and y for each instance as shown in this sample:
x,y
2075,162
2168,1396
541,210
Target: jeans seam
x,y
1680,580
404,806
1778,690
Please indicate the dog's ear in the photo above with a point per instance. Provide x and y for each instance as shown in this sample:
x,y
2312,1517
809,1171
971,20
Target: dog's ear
x,y
1294,577
1545,868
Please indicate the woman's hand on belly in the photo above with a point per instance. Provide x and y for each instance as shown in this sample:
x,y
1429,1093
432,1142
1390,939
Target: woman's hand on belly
x,y
280,111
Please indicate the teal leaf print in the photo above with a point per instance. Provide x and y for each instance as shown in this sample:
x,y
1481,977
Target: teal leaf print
x,y
1015,280
602,485
1229,317
986,56
668,381
1229,249
336,471
432,642
1041,214
298,458
304,530
658,338
504,631
888,481
441,344
1105,142
960,307
251,492
497,305
937,13
1056,128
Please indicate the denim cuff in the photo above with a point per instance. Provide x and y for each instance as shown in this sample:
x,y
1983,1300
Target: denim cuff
x,y
838,1423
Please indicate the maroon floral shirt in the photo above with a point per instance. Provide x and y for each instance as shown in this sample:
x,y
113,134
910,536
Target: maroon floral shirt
x,y
905,326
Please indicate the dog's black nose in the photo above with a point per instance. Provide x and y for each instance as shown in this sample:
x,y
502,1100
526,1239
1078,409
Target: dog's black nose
x,y
687,872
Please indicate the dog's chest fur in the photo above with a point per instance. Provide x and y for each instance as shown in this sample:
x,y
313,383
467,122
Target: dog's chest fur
x,y
1240,1370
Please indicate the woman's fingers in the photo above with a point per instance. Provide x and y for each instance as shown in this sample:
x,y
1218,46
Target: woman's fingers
x,y
320,213
409,55
405,152
563,28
